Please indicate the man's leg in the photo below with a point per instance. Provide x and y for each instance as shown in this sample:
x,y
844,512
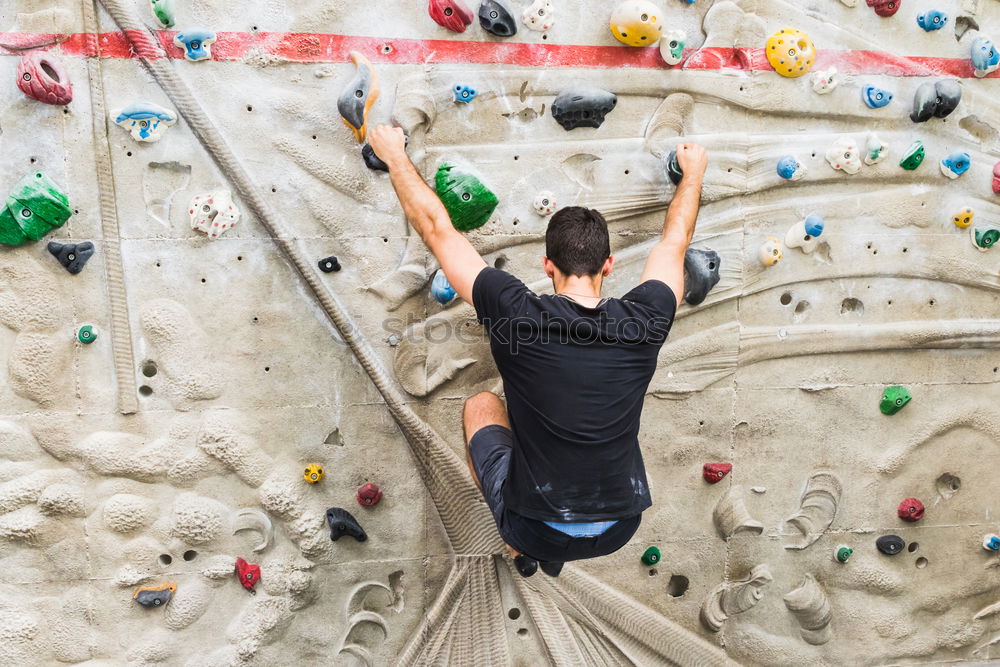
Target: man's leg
x,y
483,409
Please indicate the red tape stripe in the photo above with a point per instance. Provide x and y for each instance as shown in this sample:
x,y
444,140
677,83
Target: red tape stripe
x,y
308,47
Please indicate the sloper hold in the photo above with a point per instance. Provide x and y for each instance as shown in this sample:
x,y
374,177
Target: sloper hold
x,y
790,169
985,57
441,289
935,100
884,8
636,23
956,164
714,472
248,574
358,96
42,77
33,208
496,18
890,545
73,256
790,52
450,14
932,20
984,239
583,106
701,274
154,596
468,201
343,523
875,98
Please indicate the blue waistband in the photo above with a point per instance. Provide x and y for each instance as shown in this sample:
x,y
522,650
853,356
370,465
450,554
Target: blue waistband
x,y
591,529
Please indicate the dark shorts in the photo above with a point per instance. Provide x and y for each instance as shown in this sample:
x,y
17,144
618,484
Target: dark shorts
x,y
490,449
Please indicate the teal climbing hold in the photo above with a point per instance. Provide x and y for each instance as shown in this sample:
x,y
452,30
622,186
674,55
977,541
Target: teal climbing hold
x,y
468,201
86,334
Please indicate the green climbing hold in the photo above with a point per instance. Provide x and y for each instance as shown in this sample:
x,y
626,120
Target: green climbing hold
x,y
842,553
33,208
86,334
893,399
651,556
987,238
163,12
469,203
913,157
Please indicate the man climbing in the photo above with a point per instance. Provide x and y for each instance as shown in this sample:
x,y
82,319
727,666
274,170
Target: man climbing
x,y
560,465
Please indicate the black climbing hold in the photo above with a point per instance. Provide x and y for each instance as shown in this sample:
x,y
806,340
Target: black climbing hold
x,y
525,565
890,545
674,168
372,161
935,100
583,106
342,523
496,18
72,255
329,264
701,274
550,568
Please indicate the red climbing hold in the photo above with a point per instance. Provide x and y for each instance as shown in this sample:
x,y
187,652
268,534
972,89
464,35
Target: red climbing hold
x,y
713,472
368,495
911,510
450,14
248,574
885,8
996,178
41,77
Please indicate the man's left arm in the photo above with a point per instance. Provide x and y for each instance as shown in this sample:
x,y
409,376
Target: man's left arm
x,y
425,212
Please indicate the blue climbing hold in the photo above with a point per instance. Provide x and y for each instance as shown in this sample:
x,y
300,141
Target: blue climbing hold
x,y
956,164
197,44
814,225
441,289
932,20
464,93
790,168
985,58
875,98
991,542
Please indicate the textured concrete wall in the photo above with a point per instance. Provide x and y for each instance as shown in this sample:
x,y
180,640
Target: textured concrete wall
x,y
176,441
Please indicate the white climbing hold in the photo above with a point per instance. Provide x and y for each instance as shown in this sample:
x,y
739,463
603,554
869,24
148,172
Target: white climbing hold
x,y
825,80
545,203
876,150
844,155
144,120
213,213
251,518
540,15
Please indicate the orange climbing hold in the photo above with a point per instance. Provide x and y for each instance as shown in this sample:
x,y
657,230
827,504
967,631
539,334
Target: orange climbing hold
x,y
358,96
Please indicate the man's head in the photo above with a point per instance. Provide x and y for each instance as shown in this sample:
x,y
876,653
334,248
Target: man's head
x,y
577,244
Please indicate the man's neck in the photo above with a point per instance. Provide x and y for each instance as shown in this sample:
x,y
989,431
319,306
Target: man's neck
x,y
585,290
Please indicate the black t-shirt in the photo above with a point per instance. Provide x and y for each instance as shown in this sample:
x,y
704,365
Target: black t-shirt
x,y
575,379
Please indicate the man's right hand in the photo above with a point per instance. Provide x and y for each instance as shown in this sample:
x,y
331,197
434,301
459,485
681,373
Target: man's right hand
x,y
389,144
692,159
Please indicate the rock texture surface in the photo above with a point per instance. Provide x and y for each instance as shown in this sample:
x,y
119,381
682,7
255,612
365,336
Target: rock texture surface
x,y
176,442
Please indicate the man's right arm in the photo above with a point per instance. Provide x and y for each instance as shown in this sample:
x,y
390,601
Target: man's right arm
x,y
425,212
666,260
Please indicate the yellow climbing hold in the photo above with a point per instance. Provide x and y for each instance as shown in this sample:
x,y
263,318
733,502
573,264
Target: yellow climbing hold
x,y
964,217
313,473
790,52
637,23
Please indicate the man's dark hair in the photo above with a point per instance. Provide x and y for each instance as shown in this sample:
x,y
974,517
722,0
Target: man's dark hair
x,y
577,241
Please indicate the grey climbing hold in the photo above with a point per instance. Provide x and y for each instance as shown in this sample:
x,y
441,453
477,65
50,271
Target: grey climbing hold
x,y
935,100
583,106
329,264
673,168
496,18
372,161
343,523
701,274
890,545
73,256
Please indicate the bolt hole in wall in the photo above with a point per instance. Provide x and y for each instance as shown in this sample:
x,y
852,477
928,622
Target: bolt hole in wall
x,y
852,305
500,262
166,559
145,390
786,298
913,547
921,563
514,613
190,555
149,368
678,585
522,632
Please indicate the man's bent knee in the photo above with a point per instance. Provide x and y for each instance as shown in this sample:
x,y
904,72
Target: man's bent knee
x,y
483,409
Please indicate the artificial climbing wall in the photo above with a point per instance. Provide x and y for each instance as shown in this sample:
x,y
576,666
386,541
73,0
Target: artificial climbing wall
x,y
159,407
